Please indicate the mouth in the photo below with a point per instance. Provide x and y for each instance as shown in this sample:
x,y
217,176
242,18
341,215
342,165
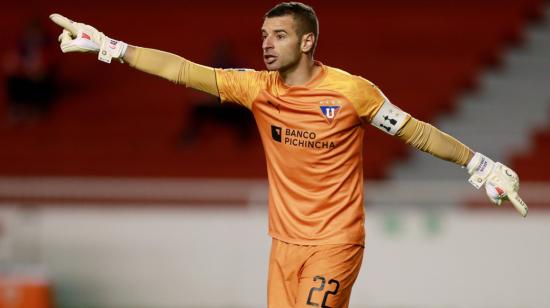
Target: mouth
x,y
269,59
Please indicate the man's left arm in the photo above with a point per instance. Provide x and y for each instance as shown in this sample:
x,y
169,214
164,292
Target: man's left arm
x,y
501,183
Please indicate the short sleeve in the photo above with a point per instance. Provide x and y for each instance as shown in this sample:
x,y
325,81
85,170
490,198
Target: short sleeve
x,y
240,86
369,99
377,109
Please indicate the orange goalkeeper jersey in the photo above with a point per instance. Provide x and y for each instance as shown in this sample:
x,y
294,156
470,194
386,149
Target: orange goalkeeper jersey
x,y
312,137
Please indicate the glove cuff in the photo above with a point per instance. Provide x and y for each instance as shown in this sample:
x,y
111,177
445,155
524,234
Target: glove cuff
x,y
111,49
479,167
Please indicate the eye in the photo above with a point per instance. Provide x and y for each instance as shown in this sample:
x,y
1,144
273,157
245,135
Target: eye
x,y
280,36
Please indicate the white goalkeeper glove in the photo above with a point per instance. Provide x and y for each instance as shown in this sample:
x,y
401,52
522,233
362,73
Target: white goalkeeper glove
x,y
501,182
79,37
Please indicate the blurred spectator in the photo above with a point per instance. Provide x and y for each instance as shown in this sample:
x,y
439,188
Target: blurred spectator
x,y
30,74
210,110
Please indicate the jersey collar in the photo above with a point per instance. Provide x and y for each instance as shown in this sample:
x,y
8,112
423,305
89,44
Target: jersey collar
x,y
312,83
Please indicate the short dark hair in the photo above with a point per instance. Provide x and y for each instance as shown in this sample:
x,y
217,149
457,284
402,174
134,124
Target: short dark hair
x,y
303,14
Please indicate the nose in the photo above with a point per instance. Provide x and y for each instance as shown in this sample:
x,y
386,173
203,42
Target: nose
x,y
267,43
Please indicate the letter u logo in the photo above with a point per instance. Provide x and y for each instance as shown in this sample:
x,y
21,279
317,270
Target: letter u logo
x,y
330,112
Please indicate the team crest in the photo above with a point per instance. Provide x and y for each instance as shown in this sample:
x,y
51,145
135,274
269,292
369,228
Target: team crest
x,y
330,109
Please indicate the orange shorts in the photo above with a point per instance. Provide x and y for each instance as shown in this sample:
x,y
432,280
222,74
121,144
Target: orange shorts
x,y
312,276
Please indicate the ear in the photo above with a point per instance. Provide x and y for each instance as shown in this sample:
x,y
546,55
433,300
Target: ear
x,y
308,41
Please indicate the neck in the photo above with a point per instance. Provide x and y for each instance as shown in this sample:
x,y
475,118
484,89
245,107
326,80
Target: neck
x,y
301,73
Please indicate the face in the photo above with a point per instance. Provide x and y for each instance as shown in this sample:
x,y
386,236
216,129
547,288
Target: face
x,y
280,43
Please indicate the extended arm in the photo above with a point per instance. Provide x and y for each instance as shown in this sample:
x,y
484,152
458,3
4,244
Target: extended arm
x,y
78,37
501,183
427,138
172,67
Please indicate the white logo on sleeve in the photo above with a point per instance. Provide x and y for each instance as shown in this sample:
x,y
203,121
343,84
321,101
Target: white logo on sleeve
x,y
389,118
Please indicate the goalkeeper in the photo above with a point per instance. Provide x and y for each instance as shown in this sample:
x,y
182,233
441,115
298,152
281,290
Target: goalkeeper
x,y
310,118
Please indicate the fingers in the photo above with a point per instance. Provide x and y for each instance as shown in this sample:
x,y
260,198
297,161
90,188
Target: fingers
x,y
494,193
518,203
64,36
65,39
494,199
64,22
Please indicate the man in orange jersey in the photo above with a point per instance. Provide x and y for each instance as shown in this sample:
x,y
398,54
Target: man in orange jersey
x,y
310,118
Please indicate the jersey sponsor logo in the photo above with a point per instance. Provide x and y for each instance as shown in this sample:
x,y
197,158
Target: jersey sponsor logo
x,y
276,133
330,109
299,138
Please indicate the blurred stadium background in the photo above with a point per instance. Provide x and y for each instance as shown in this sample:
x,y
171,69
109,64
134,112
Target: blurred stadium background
x,y
119,189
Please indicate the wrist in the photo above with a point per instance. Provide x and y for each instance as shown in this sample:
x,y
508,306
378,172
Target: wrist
x,y
111,48
479,168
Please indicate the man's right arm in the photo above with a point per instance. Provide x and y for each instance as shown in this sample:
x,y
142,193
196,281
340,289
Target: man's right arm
x,y
78,37
172,67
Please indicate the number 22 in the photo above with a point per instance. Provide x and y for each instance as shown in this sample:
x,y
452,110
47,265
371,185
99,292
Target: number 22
x,y
320,289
